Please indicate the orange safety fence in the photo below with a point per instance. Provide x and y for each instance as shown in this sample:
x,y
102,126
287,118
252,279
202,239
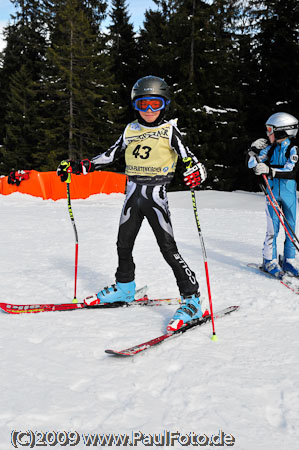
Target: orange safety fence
x,y
48,185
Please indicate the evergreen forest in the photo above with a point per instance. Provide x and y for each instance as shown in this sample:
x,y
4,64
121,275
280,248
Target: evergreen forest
x,y
66,78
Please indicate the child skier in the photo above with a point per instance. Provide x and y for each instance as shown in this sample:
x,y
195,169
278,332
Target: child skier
x,y
279,161
151,146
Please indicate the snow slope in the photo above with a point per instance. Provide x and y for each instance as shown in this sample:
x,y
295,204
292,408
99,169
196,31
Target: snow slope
x,y
54,372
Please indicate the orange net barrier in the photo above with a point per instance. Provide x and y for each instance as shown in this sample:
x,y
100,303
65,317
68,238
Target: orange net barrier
x,y
47,185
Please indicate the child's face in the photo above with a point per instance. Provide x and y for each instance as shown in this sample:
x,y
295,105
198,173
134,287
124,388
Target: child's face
x,y
149,116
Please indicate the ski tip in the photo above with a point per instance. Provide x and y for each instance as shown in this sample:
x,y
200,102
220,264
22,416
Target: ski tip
x,y
233,308
115,353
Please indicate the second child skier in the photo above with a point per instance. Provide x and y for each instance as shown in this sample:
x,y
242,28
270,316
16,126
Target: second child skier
x,y
278,160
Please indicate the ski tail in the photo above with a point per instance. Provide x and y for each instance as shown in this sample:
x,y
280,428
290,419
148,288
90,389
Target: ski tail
x,y
10,308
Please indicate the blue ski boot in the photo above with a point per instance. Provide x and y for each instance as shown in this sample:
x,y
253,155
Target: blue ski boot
x,y
272,267
119,292
289,266
190,309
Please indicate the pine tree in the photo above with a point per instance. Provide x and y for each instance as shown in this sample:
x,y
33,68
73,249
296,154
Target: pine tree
x,y
224,145
21,121
277,54
78,110
193,44
124,56
21,63
269,48
155,47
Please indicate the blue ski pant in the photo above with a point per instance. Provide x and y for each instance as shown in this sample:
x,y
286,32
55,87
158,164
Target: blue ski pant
x,y
286,196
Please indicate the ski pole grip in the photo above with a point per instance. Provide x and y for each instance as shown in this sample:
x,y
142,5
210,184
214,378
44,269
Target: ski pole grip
x,y
68,170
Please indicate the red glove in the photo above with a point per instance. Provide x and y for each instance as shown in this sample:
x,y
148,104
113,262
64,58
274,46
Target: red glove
x,y
17,177
194,176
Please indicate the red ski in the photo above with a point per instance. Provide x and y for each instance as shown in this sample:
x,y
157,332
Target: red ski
x,y
51,307
131,351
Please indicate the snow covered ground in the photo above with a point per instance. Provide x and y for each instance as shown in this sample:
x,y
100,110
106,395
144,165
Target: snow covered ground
x,y
55,375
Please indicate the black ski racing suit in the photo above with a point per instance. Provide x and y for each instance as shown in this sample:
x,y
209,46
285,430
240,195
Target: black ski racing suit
x,y
151,156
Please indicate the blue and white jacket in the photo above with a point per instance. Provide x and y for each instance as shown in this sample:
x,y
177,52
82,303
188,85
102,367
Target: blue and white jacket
x,y
283,158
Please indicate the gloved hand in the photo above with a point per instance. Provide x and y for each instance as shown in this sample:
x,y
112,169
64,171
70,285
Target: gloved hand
x,y
263,169
11,179
17,177
252,153
69,166
259,144
195,175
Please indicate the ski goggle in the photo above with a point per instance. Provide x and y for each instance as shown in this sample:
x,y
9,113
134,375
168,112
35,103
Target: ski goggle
x,y
143,104
270,130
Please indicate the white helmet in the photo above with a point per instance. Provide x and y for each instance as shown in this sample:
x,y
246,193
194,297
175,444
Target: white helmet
x,y
282,125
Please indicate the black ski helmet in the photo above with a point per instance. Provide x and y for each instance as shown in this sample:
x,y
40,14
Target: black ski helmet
x,y
150,85
147,87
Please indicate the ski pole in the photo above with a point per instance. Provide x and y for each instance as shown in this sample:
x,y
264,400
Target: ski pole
x,y
278,207
278,211
214,337
68,181
278,215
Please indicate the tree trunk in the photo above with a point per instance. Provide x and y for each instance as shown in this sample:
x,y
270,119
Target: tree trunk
x,y
191,71
71,111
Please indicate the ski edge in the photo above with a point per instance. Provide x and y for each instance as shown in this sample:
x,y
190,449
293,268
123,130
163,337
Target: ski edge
x,y
134,350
